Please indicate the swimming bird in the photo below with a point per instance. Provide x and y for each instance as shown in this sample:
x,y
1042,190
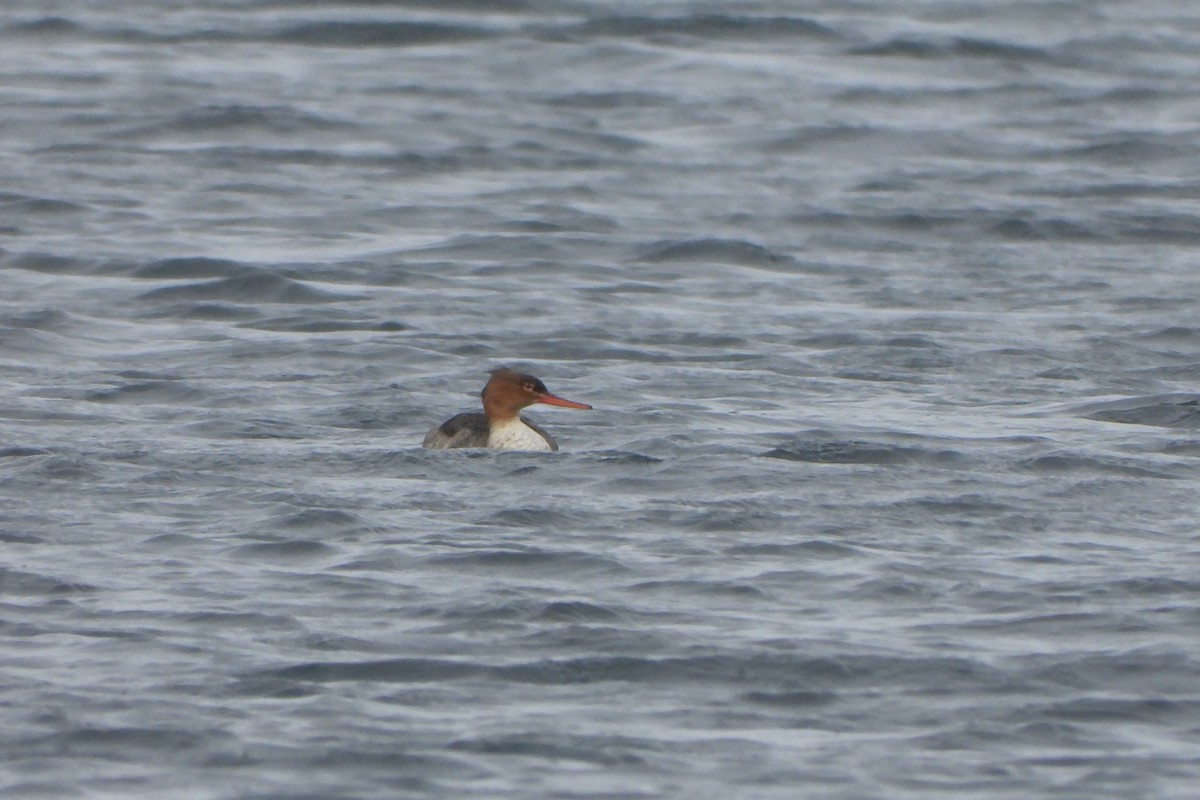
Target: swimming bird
x,y
501,426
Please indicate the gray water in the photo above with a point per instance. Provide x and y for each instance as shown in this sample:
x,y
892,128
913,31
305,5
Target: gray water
x,y
888,312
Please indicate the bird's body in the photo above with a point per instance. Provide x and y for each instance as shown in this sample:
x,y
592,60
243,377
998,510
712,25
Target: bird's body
x,y
470,429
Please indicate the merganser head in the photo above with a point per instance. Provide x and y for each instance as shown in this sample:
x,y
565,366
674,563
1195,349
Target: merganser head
x,y
508,391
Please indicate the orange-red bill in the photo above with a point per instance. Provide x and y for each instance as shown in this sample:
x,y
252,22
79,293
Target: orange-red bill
x,y
555,400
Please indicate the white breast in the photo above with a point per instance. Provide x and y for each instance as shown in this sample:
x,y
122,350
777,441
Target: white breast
x,y
515,435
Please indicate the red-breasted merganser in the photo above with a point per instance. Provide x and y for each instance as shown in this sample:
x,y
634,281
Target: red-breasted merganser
x,y
501,426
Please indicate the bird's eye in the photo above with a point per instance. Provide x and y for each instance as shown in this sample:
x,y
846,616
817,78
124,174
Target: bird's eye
x,y
529,387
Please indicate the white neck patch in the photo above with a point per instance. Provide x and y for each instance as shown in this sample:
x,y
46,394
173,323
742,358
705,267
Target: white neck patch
x,y
514,434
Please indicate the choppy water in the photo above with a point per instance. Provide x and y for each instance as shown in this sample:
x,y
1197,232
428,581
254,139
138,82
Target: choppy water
x,y
889,313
